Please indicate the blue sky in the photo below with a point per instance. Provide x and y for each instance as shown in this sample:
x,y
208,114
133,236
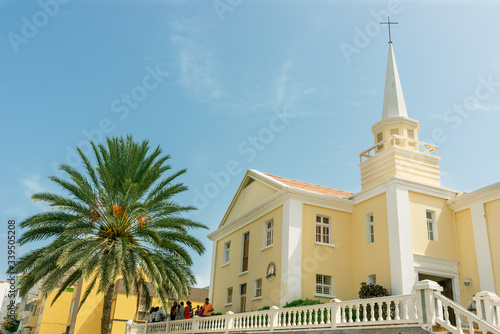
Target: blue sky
x,y
206,80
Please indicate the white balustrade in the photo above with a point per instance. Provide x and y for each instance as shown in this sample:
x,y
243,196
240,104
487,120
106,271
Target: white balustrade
x,y
426,308
463,318
400,142
377,311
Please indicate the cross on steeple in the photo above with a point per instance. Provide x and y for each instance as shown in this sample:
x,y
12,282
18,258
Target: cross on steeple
x,y
389,25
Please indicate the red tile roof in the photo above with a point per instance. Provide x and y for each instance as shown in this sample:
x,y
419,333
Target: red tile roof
x,y
312,187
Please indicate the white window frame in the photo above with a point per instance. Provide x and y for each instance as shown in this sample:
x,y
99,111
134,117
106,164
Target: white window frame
x,y
322,226
372,279
370,229
226,254
257,289
268,232
229,302
323,285
432,234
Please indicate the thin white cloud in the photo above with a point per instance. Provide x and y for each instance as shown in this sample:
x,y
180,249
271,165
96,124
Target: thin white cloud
x,y
282,95
31,185
353,103
309,91
485,107
197,69
367,92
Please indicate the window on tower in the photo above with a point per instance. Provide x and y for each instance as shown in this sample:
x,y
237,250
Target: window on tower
x,y
395,132
380,137
411,135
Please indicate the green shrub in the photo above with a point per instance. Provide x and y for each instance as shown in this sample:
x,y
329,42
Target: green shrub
x,y
264,308
216,313
372,291
302,302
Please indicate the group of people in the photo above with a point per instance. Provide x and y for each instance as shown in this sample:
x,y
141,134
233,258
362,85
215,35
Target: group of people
x,y
180,312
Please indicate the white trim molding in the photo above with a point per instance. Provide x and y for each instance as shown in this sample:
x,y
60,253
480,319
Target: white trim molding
x,y
212,274
411,185
276,200
441,268
435,266
482,195
481,240
291,253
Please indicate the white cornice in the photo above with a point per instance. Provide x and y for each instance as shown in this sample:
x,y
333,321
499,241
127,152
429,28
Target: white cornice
x,y
409,121
482,195
250,215
408,184
394,150
274,201
434,265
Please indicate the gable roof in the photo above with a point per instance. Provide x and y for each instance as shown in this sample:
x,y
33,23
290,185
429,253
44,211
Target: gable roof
x,y
279,183
311,187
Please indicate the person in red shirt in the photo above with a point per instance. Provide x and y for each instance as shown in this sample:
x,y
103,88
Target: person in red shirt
x,y
188,311
207,308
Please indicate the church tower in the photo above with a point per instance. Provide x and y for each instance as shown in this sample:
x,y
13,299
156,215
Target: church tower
x,y
396,151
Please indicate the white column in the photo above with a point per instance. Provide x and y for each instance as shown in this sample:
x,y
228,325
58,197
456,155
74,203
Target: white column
x,y
291,253
212,274
484,266
400,242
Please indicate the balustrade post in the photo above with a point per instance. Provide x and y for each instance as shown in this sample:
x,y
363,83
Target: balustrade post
x,y
196,325
426,302
128,329
335,316
146,328
167,325
229,321
485,306
273,317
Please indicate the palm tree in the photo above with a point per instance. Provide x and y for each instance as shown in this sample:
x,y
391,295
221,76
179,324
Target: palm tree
x,y
119,221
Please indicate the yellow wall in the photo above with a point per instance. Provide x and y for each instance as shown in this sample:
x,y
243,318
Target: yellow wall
x,y
227,276
467,266
370,258
250,196
89,316
323,259
492,213
445,247
52,319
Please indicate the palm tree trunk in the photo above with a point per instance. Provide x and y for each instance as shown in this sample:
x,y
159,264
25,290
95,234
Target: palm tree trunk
x,y
106,309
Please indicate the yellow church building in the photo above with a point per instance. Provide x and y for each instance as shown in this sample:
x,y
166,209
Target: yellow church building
x,y
283,239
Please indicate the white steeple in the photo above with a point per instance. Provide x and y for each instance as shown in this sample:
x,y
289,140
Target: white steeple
x,y
397,152
394,102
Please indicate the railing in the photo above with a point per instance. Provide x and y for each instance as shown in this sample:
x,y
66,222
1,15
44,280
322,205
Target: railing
x,y
496,313
379,311
426,308
364,312
398,141
463,317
